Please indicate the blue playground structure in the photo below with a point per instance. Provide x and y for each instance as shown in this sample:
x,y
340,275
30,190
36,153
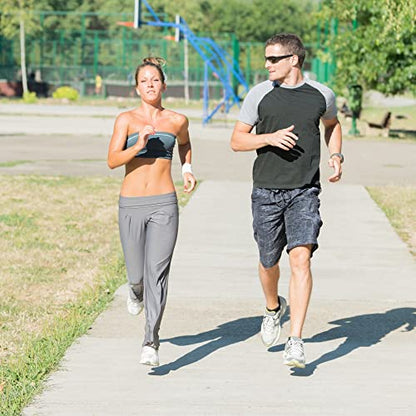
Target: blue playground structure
x,y
216,60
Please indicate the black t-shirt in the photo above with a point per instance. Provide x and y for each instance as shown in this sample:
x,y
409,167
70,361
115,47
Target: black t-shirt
x,y
270,107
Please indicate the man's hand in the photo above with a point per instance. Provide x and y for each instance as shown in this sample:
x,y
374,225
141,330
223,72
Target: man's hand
x,y
189,182
335,163
284,139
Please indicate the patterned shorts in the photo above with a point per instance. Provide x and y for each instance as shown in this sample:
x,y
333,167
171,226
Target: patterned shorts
x,y
284,217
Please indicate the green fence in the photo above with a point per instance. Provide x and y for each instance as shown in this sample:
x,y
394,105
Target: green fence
x,y
70,57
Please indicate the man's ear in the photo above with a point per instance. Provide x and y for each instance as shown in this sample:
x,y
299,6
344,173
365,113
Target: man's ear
x,y
137,91
164,87
295,60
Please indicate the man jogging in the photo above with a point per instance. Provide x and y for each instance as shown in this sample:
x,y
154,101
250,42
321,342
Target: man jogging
x,y
286,111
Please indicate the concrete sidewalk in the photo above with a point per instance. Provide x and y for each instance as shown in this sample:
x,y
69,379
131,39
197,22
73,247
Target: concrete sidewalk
x,y
73,140
359,334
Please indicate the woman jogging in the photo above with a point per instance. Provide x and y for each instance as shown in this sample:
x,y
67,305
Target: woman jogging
x,y
143,141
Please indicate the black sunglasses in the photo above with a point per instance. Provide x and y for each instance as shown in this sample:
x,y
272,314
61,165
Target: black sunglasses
x,y
276,59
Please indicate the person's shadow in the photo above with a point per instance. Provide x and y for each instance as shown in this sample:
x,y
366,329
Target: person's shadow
x,y
224,335
359,331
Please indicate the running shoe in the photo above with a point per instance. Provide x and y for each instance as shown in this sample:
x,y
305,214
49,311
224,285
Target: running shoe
x,y
134,306
271,325
294,355
150,356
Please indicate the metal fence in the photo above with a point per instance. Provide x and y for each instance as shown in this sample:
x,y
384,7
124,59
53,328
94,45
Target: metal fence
x,y
68,57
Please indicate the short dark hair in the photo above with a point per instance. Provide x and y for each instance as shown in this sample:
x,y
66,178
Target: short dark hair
x,y
291,43
155,62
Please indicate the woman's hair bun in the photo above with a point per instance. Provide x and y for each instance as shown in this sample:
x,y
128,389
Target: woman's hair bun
x,y
155,60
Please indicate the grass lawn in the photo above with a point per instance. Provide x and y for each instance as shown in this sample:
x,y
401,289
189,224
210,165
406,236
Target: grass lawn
x,y
402,128
60,265
399,205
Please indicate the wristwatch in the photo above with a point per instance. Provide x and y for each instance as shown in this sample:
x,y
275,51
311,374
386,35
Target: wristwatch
x,y
340,155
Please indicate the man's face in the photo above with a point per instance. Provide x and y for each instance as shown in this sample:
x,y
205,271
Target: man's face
x,y
280,63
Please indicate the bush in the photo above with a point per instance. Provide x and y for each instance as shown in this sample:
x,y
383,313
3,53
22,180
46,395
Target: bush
x,y
29,97
66,92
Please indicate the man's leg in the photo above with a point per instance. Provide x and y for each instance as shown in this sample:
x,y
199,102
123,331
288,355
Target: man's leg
x,y
300,287
303,222
275,305
269,233
269,278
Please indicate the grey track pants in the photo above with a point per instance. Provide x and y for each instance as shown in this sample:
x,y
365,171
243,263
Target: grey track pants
x,y
148,231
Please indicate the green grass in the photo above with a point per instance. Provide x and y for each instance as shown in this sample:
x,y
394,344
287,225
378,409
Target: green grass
x,y
399,205
403,124
12,163
23,374
61,263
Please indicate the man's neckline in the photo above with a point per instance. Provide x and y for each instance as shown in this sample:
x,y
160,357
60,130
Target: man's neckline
x,y
276,83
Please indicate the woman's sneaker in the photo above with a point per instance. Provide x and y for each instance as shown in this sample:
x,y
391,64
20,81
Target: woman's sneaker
x,y
134,306
150,356
271,325
294,355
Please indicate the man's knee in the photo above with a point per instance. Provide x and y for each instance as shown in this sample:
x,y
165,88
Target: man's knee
x,y
300,259
269,268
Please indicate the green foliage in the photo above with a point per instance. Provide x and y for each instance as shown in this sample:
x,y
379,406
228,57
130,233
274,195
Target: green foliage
x,y
29,97
12,11
86,39
66,92
249,20
375,44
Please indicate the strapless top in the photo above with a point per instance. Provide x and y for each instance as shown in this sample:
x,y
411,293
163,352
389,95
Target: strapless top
x,y
159,145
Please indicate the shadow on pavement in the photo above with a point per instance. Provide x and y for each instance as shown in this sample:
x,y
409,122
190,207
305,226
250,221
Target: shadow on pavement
x,y
225,334
359,331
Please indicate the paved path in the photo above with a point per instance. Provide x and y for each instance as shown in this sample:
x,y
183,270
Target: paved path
x,y
359,334
359,347
72,140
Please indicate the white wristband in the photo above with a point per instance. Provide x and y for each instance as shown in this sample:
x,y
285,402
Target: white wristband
x,y
186,168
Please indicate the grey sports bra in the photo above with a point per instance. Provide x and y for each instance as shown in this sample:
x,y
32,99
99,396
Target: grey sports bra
x,y
159,145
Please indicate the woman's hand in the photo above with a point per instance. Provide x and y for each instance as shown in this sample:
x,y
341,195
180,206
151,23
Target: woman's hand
x,y
189,182
144,137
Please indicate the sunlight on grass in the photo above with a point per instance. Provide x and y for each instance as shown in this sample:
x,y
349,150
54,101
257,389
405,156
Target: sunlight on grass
x,y
61,263
399,205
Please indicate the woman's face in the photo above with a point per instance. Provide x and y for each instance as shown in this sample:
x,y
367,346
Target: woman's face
x,y
149,84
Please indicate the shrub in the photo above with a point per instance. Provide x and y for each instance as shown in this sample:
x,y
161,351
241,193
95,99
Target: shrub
x,y
29,97
66,92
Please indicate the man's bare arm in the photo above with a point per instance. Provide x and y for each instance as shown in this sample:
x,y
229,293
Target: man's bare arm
x,y
242,140
333,139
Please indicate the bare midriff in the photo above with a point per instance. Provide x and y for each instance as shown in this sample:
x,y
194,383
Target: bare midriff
x,y
147,176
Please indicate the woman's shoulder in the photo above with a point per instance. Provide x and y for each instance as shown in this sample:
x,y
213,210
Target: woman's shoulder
x,y
177,118
127,115
127,118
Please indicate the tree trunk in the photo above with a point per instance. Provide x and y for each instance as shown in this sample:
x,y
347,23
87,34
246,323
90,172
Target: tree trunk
x,y
23,55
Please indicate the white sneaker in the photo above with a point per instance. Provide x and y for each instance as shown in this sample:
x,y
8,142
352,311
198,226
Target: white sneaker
x,y
150,356
134,306
271,325
294,355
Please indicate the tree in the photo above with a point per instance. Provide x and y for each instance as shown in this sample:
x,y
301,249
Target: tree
x,y
375,43
17,17
249,20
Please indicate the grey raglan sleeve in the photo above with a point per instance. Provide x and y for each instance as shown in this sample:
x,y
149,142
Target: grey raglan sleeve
x,y
331,105
249,110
